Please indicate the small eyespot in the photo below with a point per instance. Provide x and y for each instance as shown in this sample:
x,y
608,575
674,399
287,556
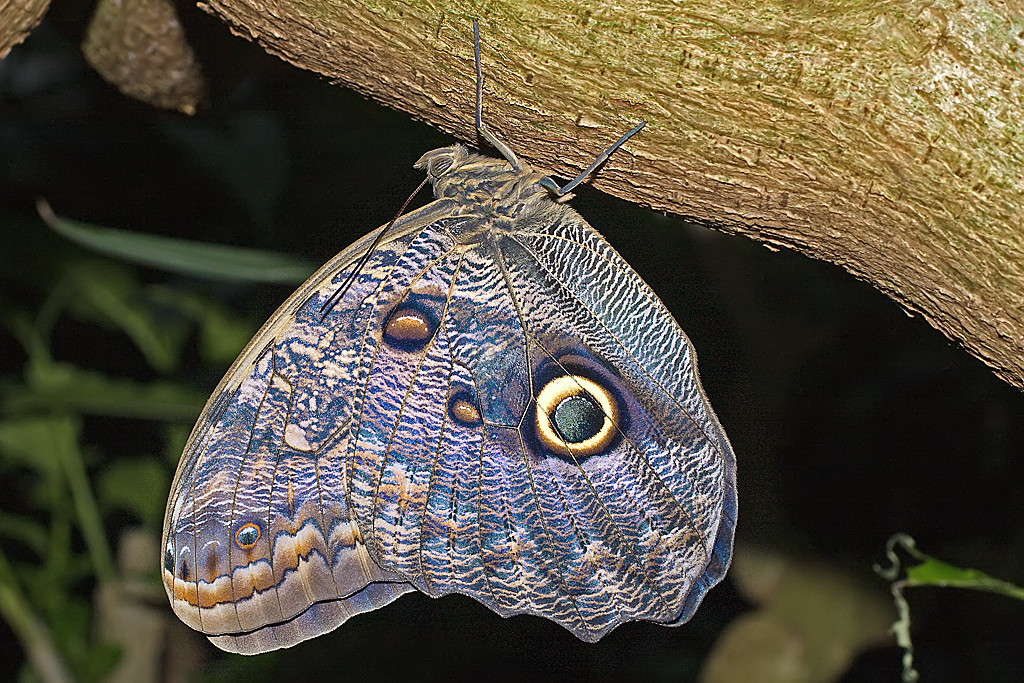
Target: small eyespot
x,y
576,417
408,328
247,535
209,558
440,165
464,410
169,559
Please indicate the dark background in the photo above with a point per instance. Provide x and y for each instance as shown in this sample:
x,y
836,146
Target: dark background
x,y
850,419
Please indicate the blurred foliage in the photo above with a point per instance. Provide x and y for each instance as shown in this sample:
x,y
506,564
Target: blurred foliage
x,y
98,388
196,259
53,536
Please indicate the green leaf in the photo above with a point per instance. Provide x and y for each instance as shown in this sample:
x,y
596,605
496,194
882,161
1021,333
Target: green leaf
x,y
222,333
177,437
62,386
90,659
139,486
65,438
29,442
97,661
50,444
929,572
184,257
24,529
35,638
935,572
222,336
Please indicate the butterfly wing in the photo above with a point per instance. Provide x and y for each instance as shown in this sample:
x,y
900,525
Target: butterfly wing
x,y
460,489
262,549
508,414
666,488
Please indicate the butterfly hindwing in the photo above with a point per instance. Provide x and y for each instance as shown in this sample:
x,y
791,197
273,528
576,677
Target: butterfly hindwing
x,y
478,506
626,324
672,466
497,406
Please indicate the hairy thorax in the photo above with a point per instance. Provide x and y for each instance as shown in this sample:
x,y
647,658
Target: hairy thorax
x,y
495,199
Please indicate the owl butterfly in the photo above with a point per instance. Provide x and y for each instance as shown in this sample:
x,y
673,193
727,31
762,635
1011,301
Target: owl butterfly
x,y
482,399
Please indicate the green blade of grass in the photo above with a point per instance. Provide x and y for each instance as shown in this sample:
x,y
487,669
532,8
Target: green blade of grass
x,y
35,638
64,387
185,257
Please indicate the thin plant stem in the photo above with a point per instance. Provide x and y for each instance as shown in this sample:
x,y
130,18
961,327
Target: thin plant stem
x,y
35,638
66,445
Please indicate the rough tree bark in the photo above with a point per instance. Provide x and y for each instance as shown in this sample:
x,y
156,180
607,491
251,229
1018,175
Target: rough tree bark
x,y
17,19
883,136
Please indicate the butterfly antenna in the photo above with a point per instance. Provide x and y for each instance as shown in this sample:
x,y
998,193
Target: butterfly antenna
x,y
553,187
339,293
505,150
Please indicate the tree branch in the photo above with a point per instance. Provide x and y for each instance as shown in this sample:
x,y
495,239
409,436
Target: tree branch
x,y
884,137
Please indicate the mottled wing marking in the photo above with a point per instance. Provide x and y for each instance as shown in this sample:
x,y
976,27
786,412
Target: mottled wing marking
x,y
383,487
630,316
614,551
676,534
271,449
588,544
627,308
450,553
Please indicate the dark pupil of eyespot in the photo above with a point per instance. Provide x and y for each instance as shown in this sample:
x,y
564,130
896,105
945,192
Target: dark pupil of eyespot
x,y
169,561
248,535
577,418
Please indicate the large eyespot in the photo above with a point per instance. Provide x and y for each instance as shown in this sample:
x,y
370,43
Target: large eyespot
x,y
247,535
409,328
576,417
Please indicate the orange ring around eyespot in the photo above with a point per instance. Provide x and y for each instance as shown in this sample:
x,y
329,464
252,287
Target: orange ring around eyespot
x,y
238,540
561,388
